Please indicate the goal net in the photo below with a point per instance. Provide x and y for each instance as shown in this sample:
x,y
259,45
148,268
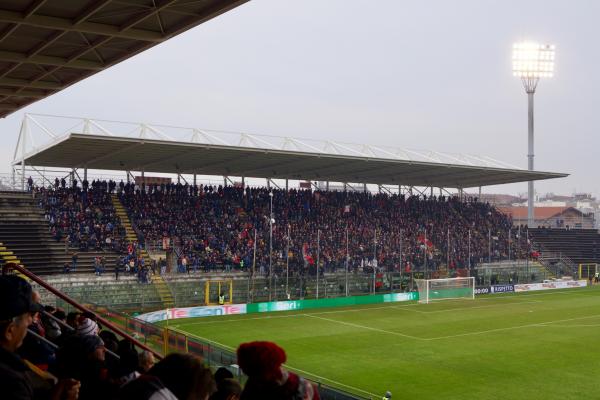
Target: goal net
x,y
445,289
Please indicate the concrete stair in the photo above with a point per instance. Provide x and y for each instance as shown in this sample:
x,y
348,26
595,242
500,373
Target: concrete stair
x,y
25,233
159,283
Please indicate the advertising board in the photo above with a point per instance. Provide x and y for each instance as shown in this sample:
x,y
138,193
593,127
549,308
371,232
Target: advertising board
x,y
192,312
550,285
330,302
482,290
502,289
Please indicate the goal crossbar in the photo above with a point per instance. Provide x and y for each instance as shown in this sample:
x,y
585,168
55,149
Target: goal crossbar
x,y
445,289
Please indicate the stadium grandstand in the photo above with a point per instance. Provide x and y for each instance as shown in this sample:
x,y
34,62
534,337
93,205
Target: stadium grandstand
x,y
159,239
132,252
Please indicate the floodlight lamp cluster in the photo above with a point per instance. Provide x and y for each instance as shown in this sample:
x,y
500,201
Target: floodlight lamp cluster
x,y
533,60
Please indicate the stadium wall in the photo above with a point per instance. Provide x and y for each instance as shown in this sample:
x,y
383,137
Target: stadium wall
x,y
233,309
292,305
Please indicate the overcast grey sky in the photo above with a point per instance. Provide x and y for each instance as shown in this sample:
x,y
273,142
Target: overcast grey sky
x,y
417,74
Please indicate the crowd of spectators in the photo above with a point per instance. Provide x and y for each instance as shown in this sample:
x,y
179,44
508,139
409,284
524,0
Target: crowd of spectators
x,y
217,227
223,227
83,217
46,354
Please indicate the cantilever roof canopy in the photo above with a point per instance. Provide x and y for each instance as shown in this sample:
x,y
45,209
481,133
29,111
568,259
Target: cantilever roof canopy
x,y
48,45
78,150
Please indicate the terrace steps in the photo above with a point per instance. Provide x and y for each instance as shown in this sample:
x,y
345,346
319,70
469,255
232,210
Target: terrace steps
x,y
158,282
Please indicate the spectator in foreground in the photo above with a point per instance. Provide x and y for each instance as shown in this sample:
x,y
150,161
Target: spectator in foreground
x,y
227,389
262,361
16,377
146,361
177,376
82,357
221,374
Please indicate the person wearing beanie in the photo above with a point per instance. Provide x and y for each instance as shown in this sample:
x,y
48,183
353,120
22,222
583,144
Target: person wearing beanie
x,y
82,357
87,327
262,363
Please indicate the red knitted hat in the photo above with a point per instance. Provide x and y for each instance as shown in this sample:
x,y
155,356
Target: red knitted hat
x,y
261,360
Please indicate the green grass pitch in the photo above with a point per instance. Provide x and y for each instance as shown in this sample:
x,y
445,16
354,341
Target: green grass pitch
x,y
537,345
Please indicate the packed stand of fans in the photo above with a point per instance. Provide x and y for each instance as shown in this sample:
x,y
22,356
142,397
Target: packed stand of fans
x,y
214,227
46,354
83,216
85,219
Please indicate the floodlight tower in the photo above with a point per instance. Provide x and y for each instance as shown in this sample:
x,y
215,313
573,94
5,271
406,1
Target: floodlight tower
x,y
532,61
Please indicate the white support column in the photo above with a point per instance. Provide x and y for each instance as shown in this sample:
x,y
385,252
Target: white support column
x,y
269,183
480,193
23,174
24,131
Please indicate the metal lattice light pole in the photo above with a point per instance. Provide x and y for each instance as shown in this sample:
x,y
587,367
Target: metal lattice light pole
x,y
532,61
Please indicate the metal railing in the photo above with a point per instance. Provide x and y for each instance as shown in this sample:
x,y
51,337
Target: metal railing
x,y
164,340
11,267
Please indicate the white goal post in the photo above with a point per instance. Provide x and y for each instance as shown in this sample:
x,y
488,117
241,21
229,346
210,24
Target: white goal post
x,y
445,289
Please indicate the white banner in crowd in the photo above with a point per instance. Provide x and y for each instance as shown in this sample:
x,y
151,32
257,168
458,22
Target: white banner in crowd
x,y
550,285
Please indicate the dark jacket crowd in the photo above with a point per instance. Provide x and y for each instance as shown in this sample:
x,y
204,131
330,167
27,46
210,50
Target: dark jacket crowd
x,y
215,227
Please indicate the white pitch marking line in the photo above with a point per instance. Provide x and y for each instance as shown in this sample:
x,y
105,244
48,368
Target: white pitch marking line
x,y
538,324
331,380
467,308
391,305
286,365
364,327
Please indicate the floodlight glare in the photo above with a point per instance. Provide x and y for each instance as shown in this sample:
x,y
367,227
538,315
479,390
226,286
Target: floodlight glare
x,y
530,62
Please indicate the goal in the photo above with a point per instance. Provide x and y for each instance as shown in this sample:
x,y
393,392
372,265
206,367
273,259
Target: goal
x,y
445,289
214,290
